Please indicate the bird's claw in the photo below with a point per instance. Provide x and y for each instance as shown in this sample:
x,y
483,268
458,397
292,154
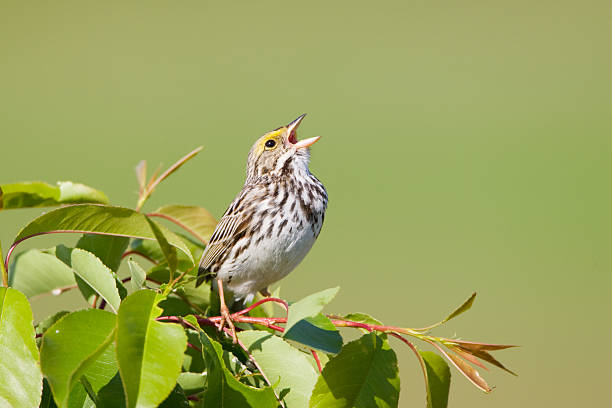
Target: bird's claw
x,y
226,318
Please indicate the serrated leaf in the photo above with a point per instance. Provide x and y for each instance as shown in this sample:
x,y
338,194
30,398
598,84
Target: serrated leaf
x,y
20,375
71,346
317,332
39,194
225,391
34,272
92,273
106,247
310,306
287,368
150,353
437,379
98,219
364,374
137,274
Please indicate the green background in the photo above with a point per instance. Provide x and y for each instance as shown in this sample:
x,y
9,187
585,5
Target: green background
x,y
465,146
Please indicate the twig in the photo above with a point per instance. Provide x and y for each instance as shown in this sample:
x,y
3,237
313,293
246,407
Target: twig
x,y
149,189
316,358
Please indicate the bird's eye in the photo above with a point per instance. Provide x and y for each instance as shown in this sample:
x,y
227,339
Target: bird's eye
x,y
270,143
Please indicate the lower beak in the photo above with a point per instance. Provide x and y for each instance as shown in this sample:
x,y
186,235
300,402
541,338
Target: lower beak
x,y
306,142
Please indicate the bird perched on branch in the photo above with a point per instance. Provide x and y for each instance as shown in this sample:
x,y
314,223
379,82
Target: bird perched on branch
x,y
271,224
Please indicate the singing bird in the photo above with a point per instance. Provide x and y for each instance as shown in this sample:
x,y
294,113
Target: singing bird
x,y
271,224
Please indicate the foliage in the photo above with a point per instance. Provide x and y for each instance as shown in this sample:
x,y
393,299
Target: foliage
x,y
151,337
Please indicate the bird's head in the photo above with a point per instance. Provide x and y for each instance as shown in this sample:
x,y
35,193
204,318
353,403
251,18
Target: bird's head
x,y
279,152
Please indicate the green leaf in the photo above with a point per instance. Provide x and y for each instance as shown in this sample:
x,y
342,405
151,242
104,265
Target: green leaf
x,y
196,220
147,249
437,379
98,219
92,273
34,272
44,325
196,296
151,251
20,375
366,319
364,374
39,194
106,247
99,373
310,306
46,400
286,367
316,332
465,306
224,390
308,326
138,275
71,346
168,251
150,353
111,395
192,383
176,399
193,361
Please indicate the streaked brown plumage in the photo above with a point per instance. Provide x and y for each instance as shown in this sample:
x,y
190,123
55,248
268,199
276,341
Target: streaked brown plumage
x,y
272,223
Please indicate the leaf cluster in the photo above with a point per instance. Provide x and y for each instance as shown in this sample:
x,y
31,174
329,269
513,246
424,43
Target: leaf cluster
x,y
152,338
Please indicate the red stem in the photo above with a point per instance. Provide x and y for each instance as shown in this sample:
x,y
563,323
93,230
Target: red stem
x,y
261,302
316,358
127,253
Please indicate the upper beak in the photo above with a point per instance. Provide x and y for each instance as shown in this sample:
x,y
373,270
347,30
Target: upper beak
x,y
292,127
291,130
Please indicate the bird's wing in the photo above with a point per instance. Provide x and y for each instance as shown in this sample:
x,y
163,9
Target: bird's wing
x,y
233,223
223,237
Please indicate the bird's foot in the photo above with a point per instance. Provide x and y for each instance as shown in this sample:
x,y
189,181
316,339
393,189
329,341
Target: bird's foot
x,y
226,318
265,292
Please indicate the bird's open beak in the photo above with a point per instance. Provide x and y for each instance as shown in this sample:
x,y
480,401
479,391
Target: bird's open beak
x,y
292,130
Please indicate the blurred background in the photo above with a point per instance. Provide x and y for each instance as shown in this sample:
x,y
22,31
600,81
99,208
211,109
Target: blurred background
x,y
465,147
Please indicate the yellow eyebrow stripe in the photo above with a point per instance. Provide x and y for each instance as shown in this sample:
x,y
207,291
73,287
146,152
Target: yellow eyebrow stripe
x,y
275,134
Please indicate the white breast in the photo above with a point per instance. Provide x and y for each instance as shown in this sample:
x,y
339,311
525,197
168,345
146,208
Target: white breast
x,y
279,245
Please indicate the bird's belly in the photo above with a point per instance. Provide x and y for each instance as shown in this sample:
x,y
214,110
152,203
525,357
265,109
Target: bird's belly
x,y
271,259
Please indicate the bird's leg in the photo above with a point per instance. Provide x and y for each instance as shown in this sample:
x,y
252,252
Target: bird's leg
x,y
265,292
227,318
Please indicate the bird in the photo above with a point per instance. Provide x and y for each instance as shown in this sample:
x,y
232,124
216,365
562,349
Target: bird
x,y
273,222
